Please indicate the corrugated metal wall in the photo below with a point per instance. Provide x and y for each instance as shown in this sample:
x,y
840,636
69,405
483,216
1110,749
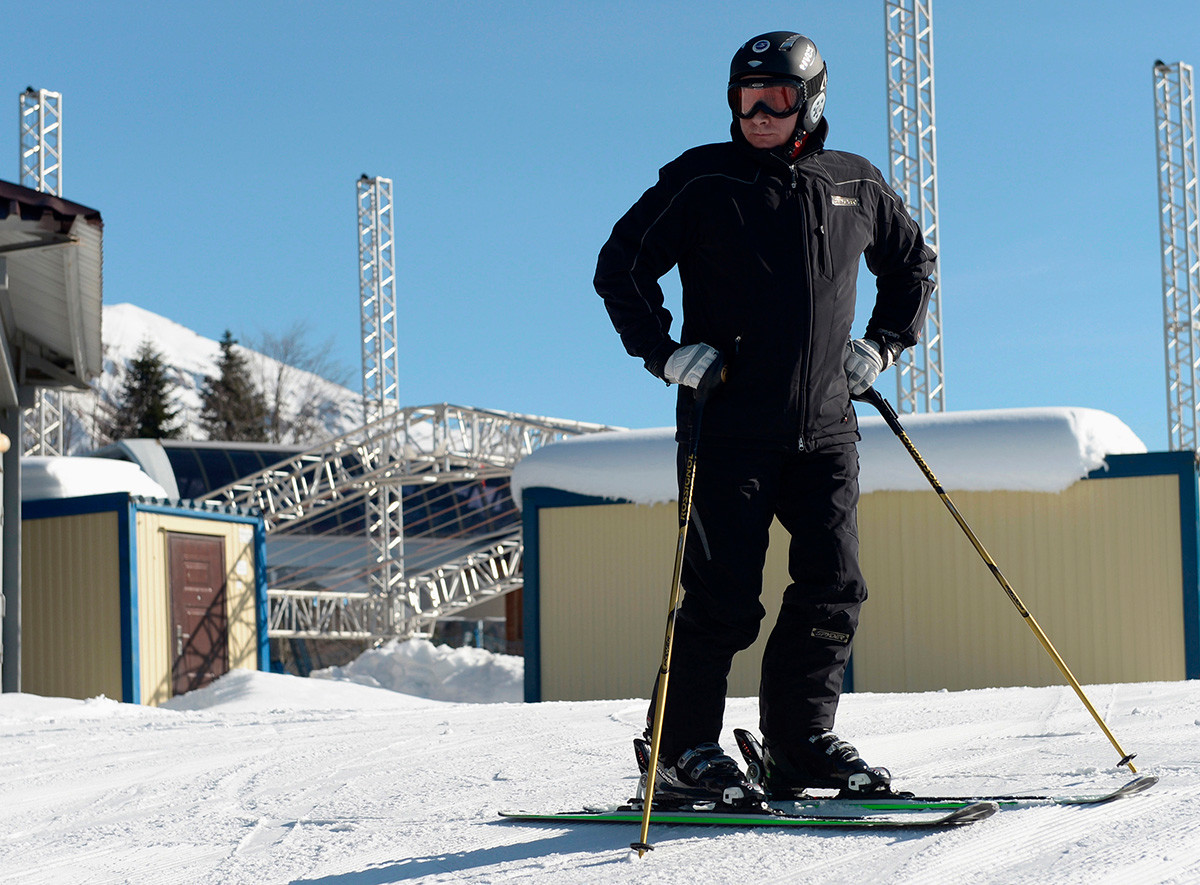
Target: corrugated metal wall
x,y
1099,567
605,579
154,603
71,607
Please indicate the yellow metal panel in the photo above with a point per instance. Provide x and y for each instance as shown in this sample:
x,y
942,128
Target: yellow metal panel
x,y
1098,566
155,602
71,607
605,580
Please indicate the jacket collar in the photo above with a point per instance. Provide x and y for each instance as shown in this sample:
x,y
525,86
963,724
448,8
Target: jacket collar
x,y
773,156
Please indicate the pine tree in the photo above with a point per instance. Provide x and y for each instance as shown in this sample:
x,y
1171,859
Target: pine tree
x,y
232,408
143,408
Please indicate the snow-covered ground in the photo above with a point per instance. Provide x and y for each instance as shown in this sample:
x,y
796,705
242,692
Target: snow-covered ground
x,y
264,778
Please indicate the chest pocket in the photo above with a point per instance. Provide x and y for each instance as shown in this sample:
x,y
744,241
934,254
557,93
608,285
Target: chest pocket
x,y
822,232
842,229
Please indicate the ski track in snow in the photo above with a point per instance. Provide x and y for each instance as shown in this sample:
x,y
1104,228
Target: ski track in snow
x,y
328,783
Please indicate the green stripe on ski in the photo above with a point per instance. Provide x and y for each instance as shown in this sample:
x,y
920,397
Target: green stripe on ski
x,y
964,815
947,803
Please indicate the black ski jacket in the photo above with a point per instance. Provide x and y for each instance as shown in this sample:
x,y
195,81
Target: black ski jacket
x,y
768,254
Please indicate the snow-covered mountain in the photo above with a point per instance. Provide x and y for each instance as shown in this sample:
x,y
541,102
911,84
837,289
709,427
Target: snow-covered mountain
x,y
189,357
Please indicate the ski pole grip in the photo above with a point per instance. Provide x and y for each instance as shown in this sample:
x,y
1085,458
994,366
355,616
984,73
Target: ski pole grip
x,y
713,378
875,398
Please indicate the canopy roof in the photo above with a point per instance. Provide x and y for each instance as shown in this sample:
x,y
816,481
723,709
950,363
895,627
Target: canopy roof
x,y
50,291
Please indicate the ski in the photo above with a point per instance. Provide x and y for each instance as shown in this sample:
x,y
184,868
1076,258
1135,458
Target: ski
x,y
751,751
720,818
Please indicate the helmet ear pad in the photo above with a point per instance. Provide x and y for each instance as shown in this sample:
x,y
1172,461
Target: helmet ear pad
x,y
814,103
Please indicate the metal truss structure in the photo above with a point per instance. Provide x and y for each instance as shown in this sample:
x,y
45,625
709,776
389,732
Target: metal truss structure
x,y
912,154
41,140
1179,228
380,364
431,459
41,169
377,298
451,587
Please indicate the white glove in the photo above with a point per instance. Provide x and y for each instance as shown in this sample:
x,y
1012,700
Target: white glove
x,y
863,364
687,365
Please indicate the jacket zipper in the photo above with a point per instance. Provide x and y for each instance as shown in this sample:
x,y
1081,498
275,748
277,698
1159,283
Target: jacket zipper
x,y
826,262
811,309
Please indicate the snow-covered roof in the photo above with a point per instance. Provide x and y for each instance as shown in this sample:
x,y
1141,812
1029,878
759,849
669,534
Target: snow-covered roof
x,y
1034,449
46,478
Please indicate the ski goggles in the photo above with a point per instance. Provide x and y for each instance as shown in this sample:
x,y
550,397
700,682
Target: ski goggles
x,y
775,97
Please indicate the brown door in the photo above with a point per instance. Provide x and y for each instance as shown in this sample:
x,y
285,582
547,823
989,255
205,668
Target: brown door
x,y
199,625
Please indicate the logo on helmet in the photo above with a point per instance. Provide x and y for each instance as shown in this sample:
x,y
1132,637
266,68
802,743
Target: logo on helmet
x,y
807,58
761,46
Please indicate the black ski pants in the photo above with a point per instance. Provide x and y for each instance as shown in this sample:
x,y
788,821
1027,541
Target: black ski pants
x,y
738,492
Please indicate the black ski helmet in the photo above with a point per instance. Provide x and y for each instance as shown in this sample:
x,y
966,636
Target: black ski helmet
x,y
791,55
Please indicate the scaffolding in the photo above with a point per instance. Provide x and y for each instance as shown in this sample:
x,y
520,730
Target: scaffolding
x,y
447,468
1179,229
912,155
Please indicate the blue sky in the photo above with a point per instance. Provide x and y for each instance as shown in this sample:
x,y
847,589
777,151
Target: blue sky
x,y
222,141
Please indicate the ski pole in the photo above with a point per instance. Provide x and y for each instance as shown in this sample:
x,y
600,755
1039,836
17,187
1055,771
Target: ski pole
x,y
889,415
713,377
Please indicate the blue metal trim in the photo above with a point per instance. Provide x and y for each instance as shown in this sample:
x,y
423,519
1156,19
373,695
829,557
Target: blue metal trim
x,y
131,660
1145,464
1189,526
51,507
544,496
260,568
84,504
531,619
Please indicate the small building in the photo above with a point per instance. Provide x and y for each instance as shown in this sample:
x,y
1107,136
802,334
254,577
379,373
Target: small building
x,y
1097,536
129,595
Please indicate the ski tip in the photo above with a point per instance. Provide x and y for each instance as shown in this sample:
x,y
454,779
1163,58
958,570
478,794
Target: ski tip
x,y
970,813
1137,785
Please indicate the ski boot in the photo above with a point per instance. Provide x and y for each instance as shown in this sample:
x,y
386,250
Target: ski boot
x,y
824,761
703,777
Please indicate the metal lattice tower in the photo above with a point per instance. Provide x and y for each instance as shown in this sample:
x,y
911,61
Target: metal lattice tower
x,y
1179,229
381,371
377,297
912,155
41,169
41,140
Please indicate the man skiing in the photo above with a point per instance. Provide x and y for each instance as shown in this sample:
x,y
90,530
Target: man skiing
x,y
767,231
